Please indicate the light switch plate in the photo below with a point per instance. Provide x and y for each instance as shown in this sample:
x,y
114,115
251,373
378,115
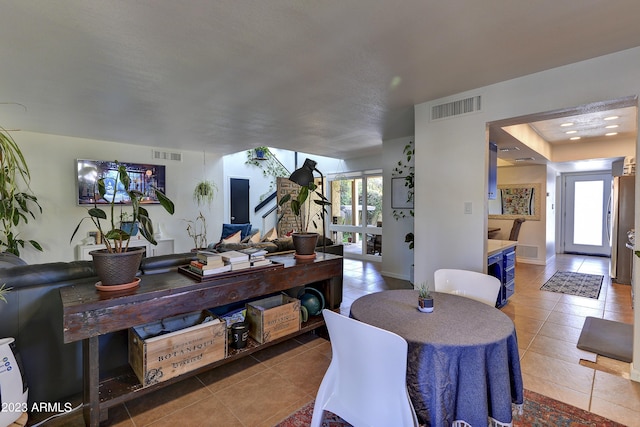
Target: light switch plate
x,y
468,208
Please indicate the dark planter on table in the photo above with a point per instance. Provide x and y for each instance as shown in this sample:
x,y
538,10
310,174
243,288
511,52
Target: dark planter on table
x,y
305,243
117,268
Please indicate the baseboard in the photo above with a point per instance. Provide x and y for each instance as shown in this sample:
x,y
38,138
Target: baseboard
x,y
395,275
634,374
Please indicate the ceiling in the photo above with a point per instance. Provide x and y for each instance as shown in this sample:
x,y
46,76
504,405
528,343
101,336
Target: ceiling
x,y
329,77
535,138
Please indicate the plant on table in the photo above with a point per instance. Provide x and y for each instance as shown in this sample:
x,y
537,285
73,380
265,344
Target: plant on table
x,y
425,300
116,239
301,207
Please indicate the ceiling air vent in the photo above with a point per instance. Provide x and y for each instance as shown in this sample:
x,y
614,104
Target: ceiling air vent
x,y
456,108
166,155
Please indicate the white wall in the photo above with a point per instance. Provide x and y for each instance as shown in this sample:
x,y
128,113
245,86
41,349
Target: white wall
x,y
452,157
396,256
51,160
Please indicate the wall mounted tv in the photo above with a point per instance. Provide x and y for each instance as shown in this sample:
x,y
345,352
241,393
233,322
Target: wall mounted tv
x,y
144,177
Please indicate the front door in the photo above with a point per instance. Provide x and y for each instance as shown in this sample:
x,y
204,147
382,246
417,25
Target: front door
x,y
586,206
239,201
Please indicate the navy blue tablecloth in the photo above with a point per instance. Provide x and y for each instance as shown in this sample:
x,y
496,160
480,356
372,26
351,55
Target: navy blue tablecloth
x,y
463,361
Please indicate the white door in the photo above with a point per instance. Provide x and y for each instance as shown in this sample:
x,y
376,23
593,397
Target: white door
x,y
585,213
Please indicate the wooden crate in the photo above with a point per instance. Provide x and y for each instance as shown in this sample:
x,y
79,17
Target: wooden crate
x,y
273,317
184,344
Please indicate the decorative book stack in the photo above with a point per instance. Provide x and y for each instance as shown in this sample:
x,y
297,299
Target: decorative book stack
x,y
236,260
208,263
257,257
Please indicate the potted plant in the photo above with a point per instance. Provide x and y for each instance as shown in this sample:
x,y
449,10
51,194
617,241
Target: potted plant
x,y
204,192
17,202
305,242
261,153
197,230
117,265
425,300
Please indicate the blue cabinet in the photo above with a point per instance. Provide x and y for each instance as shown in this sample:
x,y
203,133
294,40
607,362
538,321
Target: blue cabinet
x,y
503,266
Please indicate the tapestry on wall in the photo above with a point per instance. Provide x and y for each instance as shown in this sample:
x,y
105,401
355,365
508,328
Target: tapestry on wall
x,y
517,201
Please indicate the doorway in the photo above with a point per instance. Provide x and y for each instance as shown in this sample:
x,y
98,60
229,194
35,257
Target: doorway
x,y
585,214
239,190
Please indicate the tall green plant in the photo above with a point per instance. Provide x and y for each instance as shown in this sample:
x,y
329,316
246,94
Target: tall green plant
x,y
297,204
17,201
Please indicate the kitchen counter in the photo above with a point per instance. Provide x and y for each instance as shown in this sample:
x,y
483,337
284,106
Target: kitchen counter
x,y
495,246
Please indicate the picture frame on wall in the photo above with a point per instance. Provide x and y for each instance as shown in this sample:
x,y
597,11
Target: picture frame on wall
x,y
400,194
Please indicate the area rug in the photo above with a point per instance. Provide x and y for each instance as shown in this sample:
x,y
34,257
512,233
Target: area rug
x,y
607,338
539,411
571,283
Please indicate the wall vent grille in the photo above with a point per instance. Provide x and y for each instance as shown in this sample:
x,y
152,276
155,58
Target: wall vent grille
x,y
166,155
527,251
456,108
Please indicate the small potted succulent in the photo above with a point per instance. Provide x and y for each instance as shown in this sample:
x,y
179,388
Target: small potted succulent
x,y
425,299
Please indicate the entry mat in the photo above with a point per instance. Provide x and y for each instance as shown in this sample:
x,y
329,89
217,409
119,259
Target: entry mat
x,y
607,338
580,284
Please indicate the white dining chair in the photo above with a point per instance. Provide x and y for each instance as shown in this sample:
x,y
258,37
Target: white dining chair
x,y
470,284
365,383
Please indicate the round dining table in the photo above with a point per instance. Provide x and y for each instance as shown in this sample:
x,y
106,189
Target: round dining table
x,y
463,364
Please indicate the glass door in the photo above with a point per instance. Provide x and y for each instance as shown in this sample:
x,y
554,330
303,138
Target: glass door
x,y
356,214
586,207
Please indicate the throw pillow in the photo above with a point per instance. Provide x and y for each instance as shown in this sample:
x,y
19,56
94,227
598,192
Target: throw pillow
x,y
234,238
270,235
229,229
255,238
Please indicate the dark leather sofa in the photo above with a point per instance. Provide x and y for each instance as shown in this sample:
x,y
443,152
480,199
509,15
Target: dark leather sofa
x,y
33,316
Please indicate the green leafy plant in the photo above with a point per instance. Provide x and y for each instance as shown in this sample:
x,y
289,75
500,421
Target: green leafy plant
x,y
116,239
423,291
303,216
3,292
405,168
204,192
270,165
17,201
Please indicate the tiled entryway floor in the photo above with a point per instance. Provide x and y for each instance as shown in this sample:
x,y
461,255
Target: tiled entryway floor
x,y
262,389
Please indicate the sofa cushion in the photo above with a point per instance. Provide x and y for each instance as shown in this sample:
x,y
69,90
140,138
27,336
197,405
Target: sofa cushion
x,y
232,238
229,229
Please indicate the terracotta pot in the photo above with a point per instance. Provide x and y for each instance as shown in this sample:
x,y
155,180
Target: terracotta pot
x,y
117,268
305,243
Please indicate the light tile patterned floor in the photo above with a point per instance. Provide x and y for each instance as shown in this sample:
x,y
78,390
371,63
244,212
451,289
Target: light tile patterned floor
x,y
262,389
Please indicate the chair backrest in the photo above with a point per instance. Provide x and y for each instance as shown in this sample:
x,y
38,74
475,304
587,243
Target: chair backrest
x,y
366,380
515,228
471,284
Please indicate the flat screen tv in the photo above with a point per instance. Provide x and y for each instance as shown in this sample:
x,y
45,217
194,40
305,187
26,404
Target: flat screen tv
x,y
144,178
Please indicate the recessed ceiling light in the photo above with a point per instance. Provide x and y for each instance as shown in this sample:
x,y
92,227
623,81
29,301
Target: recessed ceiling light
x,y
611,117
567,124
524,159
611,127
569,132
611,133
574,138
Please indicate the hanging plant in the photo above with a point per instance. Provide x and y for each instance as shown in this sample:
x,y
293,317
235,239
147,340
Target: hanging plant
x,y
270,165
204,192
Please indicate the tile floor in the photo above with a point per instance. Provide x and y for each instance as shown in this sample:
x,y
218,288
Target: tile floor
x,y
262,389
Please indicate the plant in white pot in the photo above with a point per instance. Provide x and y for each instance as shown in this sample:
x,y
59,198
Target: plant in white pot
x,y
304,241
117,265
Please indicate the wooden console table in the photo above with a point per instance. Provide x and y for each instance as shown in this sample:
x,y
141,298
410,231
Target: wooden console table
x,y
87,314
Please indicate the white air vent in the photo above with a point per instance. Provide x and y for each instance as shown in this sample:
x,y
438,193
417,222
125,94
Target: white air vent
x,y
527,251
166,155
456,108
